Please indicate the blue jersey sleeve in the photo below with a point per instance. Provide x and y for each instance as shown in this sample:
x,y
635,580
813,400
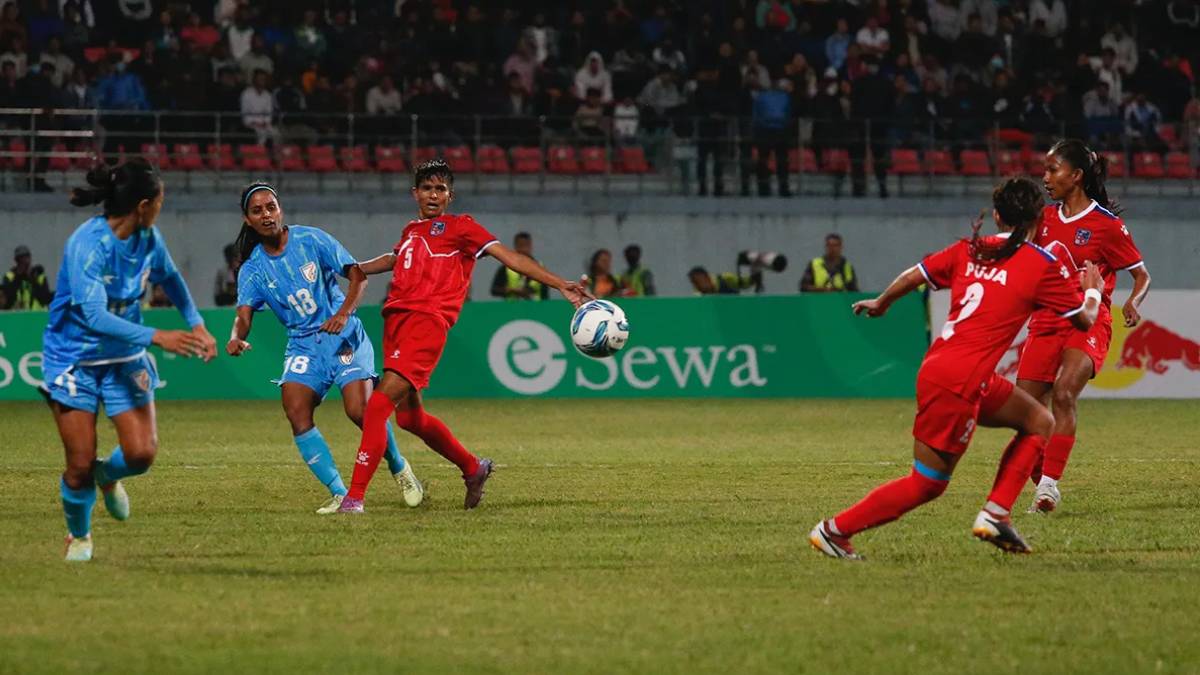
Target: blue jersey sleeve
x,y
333,255
85,261
163,271
249,294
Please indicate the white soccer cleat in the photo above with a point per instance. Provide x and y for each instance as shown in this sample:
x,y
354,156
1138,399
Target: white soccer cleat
x,y
999,532
833,545
1045,498
79,549
410,487
331,506
116,501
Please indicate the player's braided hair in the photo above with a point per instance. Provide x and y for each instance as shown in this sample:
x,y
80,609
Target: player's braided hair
x,y
434,168
121,188
1019,203
1094,167
247,238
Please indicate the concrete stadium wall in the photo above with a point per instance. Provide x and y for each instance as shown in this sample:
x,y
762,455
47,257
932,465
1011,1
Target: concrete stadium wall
x,y
882,237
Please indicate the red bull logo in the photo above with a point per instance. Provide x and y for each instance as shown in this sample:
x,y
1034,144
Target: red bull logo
x,y
1152,347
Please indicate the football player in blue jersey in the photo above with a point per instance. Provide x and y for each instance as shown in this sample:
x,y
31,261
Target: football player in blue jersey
x,y
293,270
94,347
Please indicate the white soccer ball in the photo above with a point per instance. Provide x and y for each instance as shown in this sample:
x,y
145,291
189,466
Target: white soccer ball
x,y
599,329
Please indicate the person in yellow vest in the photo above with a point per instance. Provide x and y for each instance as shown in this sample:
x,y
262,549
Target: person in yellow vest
x,y
637,281
509,285
25,285
830,273
725,283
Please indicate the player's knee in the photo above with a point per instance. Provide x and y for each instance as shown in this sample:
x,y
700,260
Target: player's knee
x,y
1041,423
1064,401
299,416
930,490
78,476
355,415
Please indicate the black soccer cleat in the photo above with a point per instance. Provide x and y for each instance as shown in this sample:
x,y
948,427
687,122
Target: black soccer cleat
x,y
999,532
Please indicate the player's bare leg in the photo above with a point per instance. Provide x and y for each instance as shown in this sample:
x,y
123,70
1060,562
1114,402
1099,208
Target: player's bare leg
x,y
1077,369
928,480
77,429
299,404
137,433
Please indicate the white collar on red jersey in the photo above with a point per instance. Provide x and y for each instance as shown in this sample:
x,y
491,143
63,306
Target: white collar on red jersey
x,y
1091,207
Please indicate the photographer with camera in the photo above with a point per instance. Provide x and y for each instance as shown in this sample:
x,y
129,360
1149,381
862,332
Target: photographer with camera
x,y
25,286
733,283
830,273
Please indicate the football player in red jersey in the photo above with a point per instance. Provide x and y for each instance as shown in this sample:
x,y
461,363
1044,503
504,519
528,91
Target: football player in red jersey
x,y
995,284
1057,361
431,269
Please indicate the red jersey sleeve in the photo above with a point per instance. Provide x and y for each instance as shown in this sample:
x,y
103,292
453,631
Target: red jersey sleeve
x,y
938,268
1119,249
473,238
1058,291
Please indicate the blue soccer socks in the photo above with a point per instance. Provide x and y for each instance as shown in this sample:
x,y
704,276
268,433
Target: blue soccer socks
x,y
316,455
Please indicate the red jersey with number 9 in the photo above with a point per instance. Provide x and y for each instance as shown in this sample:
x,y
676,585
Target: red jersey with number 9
x,y
434,261
989,302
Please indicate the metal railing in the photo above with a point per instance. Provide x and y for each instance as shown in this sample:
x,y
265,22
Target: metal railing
x,y
671,154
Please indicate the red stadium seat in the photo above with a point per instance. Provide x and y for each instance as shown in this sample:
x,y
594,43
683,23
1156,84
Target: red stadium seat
x,y
187,157
220,157
835,160
527,160
255,158
321,159
802,161
1036,165
460,159
1179,165
354,159
20,158
390,159
423,154
905,163
632,159
562,160
975,163
291,158
57,161
593,159
492,159
1008,163
157,155
1169,135
1116,164
1148,165
939,163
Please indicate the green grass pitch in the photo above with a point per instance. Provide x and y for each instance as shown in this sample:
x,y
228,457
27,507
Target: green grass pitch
x,y
616,536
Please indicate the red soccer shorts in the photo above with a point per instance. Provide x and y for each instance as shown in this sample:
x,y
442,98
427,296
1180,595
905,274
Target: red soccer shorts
x,y
1042,355
945,421
413,344
995,394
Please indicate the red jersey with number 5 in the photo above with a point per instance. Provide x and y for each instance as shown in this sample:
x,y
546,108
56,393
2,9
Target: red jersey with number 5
x,y
1094,234
434,261
989,302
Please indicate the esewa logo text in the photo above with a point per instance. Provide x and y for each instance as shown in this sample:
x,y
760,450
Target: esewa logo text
x,y
530,358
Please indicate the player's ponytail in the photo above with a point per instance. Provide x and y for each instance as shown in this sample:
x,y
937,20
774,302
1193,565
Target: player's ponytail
x,y
1093,166
247,238
120,188
1019,203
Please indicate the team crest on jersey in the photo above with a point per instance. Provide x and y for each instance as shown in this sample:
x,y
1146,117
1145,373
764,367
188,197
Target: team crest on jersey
x,y
346,357
1082,236
437,228
309,270
142,379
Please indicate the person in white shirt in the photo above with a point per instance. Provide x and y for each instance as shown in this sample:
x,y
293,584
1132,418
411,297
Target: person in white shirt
x,y
593,75
989,15
258,110
1052,12
1124,46
625,121
1107,72
872,38
63,65
86,14
384,98
240,36
944,20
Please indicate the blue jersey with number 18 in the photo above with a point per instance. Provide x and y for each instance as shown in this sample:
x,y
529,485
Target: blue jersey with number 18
x,y
299,285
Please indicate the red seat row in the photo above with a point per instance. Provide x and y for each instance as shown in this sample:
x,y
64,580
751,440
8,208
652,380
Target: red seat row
x,y
489,159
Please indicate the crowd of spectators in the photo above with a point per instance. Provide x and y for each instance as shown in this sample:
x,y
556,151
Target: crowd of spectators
x,y
922,70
